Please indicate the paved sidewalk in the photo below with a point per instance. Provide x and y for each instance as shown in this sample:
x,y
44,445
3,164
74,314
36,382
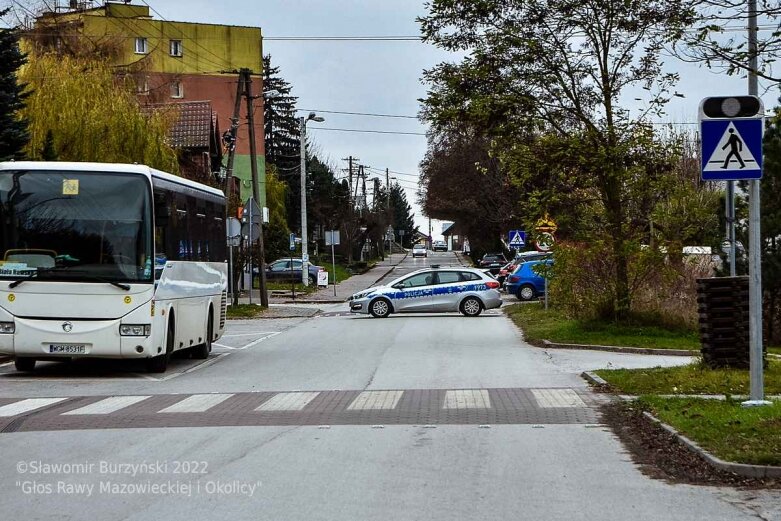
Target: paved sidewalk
x,y
344,289
355,283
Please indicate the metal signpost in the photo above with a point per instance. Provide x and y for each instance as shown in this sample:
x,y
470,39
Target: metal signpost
x,y
250,229
332,239
292,274
233,232
731,130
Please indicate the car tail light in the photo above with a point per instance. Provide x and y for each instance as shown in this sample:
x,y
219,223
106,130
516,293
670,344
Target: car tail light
x,y
514,278
492,284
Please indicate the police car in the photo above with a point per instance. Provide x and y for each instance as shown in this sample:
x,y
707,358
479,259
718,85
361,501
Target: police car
x,y
433,289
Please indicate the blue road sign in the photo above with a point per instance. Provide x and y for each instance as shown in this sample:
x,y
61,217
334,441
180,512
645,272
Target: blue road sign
x,y
517,238
731,149
292,242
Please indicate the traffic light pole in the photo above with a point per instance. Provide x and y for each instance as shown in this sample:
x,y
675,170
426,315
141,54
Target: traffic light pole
x,y
756,367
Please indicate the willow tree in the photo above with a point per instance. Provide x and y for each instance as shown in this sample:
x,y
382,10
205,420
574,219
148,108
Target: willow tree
x,y
92,114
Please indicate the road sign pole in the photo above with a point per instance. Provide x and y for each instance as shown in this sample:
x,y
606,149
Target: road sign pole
x,y
333,261
251,274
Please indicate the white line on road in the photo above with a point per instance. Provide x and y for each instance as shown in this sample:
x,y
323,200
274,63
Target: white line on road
x,y
197,403
288,402
251,344
30,404
256,333
375,400
108,405
467,399
557,398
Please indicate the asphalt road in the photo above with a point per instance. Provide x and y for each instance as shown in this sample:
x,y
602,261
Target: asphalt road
x,y
337,417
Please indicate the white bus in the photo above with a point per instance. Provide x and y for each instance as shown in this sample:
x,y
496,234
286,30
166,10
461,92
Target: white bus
x,y
110,261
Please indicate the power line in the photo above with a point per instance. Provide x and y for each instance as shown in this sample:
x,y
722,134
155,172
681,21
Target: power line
x,y
370,131
344,38
357,113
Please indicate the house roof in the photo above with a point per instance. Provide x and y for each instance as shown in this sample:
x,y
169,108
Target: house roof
x,y
194,126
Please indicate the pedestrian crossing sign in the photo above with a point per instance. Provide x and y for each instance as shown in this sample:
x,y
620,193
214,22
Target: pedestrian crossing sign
x,y
731,149
517,238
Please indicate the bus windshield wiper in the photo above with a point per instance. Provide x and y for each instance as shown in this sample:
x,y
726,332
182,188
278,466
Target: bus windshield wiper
x,y
119,285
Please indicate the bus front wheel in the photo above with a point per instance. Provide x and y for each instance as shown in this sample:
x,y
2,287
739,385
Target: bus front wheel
x,y
159,363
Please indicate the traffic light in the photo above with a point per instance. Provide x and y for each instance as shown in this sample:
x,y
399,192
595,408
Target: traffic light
x,y
732,107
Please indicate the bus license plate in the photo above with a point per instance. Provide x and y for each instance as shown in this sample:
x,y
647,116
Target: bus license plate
x,y
70,349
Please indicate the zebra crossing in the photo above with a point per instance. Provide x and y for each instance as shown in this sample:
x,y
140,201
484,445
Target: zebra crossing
x,y
386,400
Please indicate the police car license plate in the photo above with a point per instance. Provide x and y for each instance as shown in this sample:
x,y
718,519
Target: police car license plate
x,y
70,349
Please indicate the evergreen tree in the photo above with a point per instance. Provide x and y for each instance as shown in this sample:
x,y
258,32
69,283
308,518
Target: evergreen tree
x,y
14,134
49,152
282,136
771,223
402,218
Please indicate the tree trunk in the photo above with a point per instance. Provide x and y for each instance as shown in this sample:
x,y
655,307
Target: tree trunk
x,y
615,214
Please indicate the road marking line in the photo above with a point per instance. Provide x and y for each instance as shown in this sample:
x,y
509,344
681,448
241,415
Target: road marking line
x,y
288,401
108,405
467,399
30,404
557,398
256,333
251,344
197,403
375,400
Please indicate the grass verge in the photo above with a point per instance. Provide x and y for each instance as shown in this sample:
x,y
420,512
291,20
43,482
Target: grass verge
x,y
245,311
538,324
733,433
694,378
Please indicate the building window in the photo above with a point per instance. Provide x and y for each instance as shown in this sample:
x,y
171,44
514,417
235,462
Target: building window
x,y
142,86
177,91
175,48
141,47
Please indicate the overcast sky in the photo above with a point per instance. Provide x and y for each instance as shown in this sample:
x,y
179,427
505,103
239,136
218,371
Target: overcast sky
x,y
377,77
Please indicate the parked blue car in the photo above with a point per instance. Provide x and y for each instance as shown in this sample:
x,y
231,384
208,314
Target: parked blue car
x,y
524,282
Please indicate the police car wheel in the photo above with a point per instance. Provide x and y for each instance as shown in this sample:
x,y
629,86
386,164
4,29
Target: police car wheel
x,y
380,308
526,293
471,307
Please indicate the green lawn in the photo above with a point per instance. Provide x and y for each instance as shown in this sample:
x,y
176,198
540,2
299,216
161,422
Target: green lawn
x,y
689,379
724,428
538,324
245,311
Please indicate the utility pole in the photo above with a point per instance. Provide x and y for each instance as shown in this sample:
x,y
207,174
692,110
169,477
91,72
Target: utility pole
x,y
229,175
255,188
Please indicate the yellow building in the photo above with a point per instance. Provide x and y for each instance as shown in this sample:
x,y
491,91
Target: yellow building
x,y
174,62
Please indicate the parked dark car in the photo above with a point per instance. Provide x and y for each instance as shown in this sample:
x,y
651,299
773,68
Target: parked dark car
x,y
492,261
280,271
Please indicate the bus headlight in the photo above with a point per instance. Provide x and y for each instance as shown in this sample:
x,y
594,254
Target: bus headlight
x,y
7,327
135,329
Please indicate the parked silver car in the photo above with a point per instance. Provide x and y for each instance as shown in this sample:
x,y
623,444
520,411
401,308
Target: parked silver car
x,y
433,289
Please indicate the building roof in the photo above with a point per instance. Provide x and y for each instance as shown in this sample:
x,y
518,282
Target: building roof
x,y
193,128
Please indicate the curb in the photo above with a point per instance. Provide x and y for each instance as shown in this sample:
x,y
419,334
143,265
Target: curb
x,y
741,469
389,270
593,378
297,301
619,349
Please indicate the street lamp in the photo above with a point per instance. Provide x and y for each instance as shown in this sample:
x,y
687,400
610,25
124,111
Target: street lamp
x,y
304,237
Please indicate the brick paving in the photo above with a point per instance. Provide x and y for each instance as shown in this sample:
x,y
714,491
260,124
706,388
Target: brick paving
x,y
334,407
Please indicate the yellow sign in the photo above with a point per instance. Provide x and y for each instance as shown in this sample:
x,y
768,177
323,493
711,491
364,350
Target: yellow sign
x,y
546,224
128,300
70,187
11,297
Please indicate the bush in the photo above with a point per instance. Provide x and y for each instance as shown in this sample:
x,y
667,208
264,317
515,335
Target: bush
x,y
661,293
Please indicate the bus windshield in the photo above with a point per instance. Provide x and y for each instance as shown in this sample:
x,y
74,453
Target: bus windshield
x,y
75,226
